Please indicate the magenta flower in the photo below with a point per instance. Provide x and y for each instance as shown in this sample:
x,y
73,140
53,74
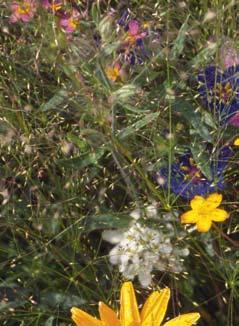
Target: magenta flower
x,y
70,22
134,34
53,5
22,10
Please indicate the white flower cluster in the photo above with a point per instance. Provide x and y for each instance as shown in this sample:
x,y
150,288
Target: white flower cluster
x,y
140,250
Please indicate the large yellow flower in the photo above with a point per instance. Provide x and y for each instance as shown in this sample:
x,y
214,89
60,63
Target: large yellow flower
x,y
152,313
204,212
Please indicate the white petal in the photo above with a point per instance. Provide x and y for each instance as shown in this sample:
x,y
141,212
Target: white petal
x,y
113,236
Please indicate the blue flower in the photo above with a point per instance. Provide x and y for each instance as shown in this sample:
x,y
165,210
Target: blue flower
x,y
187,180
124,19
220,93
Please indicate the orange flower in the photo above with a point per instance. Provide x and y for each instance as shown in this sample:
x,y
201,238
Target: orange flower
x,y
152,313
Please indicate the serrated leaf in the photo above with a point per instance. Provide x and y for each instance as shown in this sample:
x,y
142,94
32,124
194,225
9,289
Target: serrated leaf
x,y
180,40
138,125
107,221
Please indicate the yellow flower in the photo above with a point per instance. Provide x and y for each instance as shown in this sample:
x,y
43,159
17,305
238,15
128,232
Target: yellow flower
x,y
113,72
152,313
236,142
204,212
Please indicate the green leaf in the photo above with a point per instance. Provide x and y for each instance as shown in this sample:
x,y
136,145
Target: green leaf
x,y
138,125
78,141
106,29
123,94
49,321
81,162
201,158
107,221
180,40
203,57
95,13
101,75
111,47
58,99
193,117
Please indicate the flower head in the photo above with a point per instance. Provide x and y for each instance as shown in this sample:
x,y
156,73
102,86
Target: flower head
x,y
204,212
140,249
187,180
69,22
22,10
134,35
113,72
53,5
152,313
219,91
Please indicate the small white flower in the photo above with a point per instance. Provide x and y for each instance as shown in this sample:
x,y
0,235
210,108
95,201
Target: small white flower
x,y
139,250
136,214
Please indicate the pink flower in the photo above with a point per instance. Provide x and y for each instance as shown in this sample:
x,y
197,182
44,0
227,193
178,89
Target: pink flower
x,y
134,34
70,22
53,5
23,10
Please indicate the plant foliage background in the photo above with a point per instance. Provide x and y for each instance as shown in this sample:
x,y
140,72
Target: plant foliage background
x,y
80,152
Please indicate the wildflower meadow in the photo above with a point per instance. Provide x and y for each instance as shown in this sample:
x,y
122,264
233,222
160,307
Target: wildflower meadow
x,y
119,179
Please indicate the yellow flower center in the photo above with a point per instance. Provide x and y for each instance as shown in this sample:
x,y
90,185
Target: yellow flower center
x,y
24,8
223,92
56,6
73,23
193,173
131,39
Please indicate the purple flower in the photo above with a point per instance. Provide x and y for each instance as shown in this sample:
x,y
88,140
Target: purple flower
x,y
69,22
187,180
124,18
219,91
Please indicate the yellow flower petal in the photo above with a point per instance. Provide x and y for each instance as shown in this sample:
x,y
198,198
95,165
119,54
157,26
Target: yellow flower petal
x,y
107,315
81,318
236,142
204,224
219,215
184,320
197,202
189,217
213,201
129,312
155,308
